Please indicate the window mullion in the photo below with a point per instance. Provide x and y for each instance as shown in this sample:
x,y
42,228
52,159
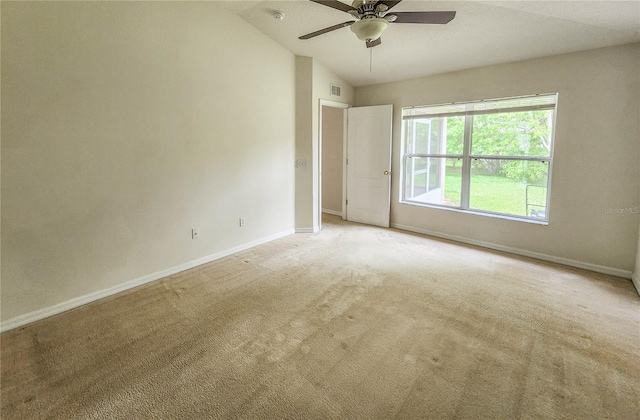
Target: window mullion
x,y
466,162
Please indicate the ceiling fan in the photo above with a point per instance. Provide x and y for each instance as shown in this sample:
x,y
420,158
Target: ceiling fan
x,y
373,17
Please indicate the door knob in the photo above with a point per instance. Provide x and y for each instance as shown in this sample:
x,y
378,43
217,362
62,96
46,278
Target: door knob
x,y
387,172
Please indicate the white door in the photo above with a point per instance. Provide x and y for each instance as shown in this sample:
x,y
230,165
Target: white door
x,y
369,164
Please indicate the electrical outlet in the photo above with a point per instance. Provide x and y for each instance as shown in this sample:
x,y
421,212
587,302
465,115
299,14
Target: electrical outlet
x,y
242,222
195,234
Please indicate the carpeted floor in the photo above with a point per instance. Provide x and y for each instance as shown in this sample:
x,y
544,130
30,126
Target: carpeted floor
x,y
353,322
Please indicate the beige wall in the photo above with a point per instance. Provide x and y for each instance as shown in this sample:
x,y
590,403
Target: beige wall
x,y
124,126
304,135
596,153
332,161
310,71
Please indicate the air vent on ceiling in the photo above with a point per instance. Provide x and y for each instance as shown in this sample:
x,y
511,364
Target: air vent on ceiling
x,y
335,90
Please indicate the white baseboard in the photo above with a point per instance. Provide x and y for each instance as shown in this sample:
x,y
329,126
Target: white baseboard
x,y
314,229
635,279
523,252
333,212
91,297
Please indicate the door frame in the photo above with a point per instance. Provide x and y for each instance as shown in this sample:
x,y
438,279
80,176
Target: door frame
x,y
343,106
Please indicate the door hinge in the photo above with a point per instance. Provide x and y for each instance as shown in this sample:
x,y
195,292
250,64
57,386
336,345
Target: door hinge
x,y
347,161
347,202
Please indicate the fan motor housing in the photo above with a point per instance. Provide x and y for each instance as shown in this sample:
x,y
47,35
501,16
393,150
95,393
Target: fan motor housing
x,y
365,8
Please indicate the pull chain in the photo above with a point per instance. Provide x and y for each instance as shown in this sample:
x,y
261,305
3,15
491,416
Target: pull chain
x,y
370,58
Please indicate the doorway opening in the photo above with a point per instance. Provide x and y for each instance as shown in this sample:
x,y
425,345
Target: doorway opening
x,y
332,188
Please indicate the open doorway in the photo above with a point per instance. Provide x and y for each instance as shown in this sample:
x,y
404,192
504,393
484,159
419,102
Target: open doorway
x,y
332,148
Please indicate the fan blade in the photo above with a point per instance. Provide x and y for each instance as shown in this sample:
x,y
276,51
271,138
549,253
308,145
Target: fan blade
x,y
335,4
371,44
325,30
423,17
388,3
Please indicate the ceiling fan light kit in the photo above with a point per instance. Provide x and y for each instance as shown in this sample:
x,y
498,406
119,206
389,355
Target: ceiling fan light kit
x,y
369,29
372,18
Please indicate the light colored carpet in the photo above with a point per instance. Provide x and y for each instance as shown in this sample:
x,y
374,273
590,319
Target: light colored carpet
x,y
354,322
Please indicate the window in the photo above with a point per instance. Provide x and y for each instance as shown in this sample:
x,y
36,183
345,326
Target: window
x,y
491,156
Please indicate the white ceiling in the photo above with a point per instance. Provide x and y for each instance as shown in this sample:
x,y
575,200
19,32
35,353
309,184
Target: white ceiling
x,y
482,33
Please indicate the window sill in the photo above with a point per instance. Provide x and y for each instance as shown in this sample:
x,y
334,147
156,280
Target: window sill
x,y
479,213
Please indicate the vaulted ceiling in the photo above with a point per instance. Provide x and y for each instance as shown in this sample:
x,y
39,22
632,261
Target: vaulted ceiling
x,y
482,33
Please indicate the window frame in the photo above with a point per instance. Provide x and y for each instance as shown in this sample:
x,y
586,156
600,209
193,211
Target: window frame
x,y
467,156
